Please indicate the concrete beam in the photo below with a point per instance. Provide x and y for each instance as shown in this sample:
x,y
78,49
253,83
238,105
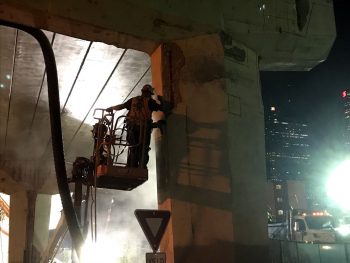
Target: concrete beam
x,y
287,35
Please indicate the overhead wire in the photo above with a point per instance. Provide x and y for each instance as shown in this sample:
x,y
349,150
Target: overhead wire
x,y
11,87
70,91
77,76
134,87
41,87
98,96
94,192
137,83
93,104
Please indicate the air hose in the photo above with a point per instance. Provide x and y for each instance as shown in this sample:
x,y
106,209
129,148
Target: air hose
x,y
56,131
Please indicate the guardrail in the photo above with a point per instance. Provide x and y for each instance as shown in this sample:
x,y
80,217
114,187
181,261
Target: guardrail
x,y
282,251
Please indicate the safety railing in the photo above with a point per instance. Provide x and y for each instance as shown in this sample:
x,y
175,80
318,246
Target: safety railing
x,y
119,139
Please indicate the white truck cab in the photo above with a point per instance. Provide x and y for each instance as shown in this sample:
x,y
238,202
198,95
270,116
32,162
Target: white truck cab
x,y
315,227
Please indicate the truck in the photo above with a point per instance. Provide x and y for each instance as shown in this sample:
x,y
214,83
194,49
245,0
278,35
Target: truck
x,y
308,227
314,227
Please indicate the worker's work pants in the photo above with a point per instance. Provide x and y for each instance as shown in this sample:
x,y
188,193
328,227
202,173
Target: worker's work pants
x,y
138,138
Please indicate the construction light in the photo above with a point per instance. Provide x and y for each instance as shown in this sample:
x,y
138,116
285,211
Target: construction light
x,y
338,185
104,251
343,230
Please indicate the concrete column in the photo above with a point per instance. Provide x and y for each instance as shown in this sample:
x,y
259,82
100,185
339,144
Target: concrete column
x,y
22,206
29,226
41,224
210,160
247,152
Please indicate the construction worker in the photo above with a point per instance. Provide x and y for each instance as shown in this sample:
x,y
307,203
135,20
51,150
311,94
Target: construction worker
x,y
139,125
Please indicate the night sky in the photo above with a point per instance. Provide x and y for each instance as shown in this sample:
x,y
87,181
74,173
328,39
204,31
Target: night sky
x,y
314,97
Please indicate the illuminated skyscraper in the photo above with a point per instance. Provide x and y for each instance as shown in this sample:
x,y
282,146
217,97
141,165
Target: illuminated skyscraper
x,y
287,157
287,147
346,102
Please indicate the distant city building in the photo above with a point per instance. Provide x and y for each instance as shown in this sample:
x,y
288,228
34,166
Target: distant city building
x,y
285,194
287,158
287,147
346,104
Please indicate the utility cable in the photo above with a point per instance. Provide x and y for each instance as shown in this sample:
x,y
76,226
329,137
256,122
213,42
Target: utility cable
x,y
41,88
11,86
